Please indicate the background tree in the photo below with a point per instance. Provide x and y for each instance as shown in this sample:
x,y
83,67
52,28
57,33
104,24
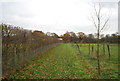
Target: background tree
x,y
66,37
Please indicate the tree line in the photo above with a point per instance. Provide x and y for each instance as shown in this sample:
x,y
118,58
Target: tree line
x,y
72,37
20,45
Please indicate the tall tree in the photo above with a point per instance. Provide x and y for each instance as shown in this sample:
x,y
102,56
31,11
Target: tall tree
x,y
100,24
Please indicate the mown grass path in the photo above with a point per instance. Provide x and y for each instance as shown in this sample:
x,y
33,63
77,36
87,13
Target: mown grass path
x,y
60,62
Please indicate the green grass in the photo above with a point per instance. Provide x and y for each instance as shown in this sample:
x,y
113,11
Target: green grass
x,y
64,62
109,68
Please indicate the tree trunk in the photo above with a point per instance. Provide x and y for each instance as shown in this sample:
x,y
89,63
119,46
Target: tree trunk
x,y
89,49
98,52
92,49
78,48
103,49
98,59
108,50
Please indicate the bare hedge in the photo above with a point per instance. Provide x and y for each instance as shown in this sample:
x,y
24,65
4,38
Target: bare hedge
x,y
20,45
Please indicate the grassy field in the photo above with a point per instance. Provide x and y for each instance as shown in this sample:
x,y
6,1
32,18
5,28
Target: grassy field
x,y
109,68
64,62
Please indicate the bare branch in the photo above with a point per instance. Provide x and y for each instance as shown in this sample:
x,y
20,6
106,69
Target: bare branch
x,y
99,9
96,13
104,25
94,22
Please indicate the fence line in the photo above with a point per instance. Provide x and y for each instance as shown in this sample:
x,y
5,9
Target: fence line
x,y
12,62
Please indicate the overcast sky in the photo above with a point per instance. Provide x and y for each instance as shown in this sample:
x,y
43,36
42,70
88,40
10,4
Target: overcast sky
x,y
57,16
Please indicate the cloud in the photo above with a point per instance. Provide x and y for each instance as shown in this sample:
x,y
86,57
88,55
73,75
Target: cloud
x,y
56,16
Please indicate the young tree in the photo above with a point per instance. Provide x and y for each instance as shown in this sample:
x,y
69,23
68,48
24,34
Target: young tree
x,y
100,23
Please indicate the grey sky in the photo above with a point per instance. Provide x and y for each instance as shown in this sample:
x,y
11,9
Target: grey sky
x,y
56,16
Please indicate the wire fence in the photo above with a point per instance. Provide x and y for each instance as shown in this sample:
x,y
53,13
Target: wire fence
x,y
11,62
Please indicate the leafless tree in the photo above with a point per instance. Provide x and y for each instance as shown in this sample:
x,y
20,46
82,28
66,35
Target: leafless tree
x,y
100,21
